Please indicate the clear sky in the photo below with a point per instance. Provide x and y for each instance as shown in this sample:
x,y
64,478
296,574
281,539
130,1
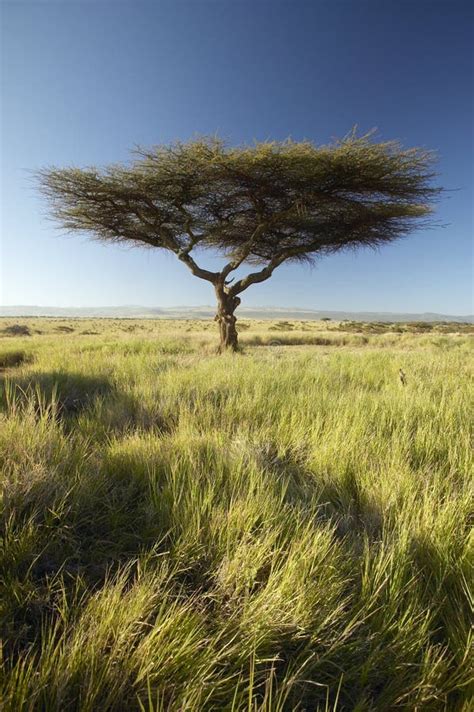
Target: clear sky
x,y
82,82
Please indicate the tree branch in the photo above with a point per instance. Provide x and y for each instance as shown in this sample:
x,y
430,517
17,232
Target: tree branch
x,y
256,277
186,258
266,272
235,264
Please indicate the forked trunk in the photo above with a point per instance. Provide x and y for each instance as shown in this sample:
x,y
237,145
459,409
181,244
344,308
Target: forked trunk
x,y
226,306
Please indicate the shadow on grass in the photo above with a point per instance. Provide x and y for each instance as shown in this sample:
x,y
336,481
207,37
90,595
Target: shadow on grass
x,y
66,396
14,359
281,339
65,529
87,512
343,501
65,393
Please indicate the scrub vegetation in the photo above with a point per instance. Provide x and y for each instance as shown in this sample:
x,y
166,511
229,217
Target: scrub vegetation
x,y
287,528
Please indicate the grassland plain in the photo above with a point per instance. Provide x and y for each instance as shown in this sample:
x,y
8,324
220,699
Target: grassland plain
x,y
283,529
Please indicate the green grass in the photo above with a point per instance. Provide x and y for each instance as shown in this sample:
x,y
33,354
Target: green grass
x,y
283,529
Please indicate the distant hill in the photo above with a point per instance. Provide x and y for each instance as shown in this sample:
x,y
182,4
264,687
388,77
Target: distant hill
x,y
206,312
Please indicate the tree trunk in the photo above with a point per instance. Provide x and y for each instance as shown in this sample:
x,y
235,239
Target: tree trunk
x,y
226,305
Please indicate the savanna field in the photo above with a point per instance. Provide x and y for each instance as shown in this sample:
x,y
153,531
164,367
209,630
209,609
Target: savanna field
x,y
287,528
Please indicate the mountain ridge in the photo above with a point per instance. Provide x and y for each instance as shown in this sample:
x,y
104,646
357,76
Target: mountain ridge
x,y
206,311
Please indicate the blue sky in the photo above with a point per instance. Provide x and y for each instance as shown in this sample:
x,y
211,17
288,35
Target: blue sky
x,y
85,81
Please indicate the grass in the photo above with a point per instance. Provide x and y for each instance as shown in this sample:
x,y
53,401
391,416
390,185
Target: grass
x,y
285,529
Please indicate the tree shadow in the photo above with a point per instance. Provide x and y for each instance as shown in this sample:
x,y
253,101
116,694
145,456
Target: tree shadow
x,y
69,515
64,392
14,359
340,501
65,395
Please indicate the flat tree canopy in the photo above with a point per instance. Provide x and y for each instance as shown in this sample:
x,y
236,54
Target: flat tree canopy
x,y
259,205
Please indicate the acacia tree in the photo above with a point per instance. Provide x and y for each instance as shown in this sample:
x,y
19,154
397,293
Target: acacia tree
x,y
261,205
